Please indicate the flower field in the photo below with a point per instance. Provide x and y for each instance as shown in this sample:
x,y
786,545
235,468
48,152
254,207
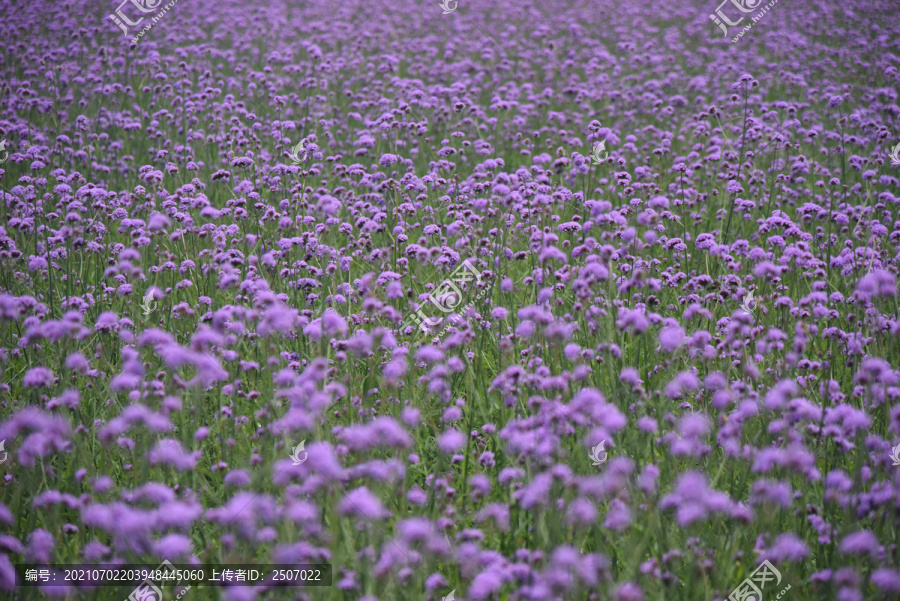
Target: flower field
x,y
509,301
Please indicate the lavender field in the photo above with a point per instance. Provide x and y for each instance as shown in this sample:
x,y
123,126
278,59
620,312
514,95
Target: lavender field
x,y
508,301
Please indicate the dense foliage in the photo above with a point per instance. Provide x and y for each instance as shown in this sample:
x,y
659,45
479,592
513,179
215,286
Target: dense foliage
x,y
214,244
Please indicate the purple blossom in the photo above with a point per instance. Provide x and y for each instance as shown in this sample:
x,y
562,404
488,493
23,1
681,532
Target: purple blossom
x,y
360,502
38,377
862,542
451,440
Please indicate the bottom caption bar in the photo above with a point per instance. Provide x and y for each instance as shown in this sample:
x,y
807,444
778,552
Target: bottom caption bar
x,y
168,574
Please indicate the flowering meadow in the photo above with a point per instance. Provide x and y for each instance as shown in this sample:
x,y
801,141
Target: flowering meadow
x,y
510,301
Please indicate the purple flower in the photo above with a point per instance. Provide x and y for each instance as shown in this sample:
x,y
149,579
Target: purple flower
x,y
173,546
499,313
451,441
877,283
862,542
671,338
333,324
37,264
7,574
886,580
38,377
238,478
40,547
170,452
77,362
629,592
395,369
94,551
361,502
693,500
6,516
388,159
771,491
381,431
485,584
430,354
581,512
787,547
618,518
682,383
